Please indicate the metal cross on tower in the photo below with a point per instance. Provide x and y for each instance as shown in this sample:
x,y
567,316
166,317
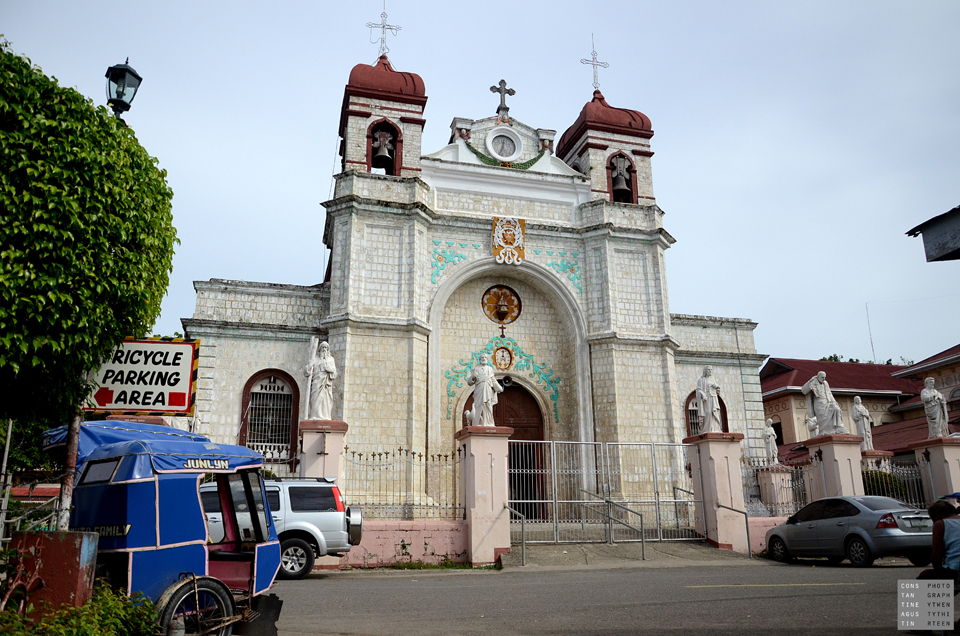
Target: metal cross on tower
x,y
501,88
384,27
594,63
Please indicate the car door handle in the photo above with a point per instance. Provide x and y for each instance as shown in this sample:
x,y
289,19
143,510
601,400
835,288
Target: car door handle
x,y
811,526
840,523
276,518
213,521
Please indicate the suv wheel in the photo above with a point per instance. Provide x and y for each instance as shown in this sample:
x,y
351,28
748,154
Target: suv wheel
x,y
296,559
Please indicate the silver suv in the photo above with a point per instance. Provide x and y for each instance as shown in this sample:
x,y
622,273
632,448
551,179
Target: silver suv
x,y
310,518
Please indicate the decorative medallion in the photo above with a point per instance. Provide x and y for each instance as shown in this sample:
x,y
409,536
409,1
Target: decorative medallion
x,y
502,358
501,304
508,243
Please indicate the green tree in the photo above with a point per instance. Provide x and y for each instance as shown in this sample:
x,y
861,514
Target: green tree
x,y
86,245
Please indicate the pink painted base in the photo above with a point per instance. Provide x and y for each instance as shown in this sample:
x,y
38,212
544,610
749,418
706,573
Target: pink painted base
x,y
388,543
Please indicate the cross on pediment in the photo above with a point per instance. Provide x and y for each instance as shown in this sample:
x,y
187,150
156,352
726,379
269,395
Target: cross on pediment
x,y
501,88
384,27
595,63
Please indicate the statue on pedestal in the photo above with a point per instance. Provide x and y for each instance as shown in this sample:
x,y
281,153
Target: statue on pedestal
x,y
860,417
485,393
821,403
813,426
708,398
935,408
321,372
770,441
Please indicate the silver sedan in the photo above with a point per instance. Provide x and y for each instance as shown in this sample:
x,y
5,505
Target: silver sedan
x,y
860,529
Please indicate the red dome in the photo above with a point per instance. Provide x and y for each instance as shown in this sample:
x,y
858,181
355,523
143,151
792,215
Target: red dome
x,y
381,78
599,115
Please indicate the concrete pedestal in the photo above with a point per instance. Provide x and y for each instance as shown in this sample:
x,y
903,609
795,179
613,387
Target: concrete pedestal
x,y
840,459
321,442
485,490
875,459
715,462
776,488
60,565
942,474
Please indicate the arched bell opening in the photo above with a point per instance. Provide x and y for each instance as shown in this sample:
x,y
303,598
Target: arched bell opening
x,y
384,148
622,179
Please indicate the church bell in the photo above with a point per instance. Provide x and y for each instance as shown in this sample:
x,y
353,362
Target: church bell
x,y
620,185
383,157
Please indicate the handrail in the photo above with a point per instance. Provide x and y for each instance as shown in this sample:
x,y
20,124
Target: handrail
x,y
746,521
611,519
523,532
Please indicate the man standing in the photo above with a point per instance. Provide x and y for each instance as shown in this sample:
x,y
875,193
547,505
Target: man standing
x,y
935,408
485,393
708,397
861,419
821,403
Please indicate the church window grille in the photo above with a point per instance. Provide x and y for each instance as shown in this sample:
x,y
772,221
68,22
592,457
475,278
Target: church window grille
x,y
270,414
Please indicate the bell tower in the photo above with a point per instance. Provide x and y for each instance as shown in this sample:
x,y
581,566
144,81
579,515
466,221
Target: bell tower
x,y
381,121
612,147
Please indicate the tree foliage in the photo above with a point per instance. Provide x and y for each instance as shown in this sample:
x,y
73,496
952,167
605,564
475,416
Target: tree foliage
x,y
86,241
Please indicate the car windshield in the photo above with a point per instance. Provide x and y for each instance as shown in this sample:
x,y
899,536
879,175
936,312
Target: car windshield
x,y
881,503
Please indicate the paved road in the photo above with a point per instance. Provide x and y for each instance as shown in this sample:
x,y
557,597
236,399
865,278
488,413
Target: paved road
x,y
733,597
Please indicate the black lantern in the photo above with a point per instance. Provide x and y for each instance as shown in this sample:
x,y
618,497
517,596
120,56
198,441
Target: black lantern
x,y
122,85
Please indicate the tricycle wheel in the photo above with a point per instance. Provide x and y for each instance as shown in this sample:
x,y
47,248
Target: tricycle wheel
x,y
296,559
200,611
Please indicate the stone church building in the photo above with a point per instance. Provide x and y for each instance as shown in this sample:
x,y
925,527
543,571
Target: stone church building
x,y
548,255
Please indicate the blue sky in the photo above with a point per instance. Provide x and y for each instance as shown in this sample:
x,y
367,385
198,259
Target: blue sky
x,y
795,143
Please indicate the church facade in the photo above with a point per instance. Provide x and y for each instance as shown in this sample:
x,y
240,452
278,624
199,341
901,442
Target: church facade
x,y
547,256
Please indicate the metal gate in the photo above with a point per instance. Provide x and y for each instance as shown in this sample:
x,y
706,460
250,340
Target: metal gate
x,y
581,492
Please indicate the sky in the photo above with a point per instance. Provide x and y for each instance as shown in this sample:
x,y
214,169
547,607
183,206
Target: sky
x,y
796,143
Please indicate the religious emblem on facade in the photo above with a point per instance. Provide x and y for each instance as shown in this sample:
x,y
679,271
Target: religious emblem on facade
x,y
501,304
508,240
502,358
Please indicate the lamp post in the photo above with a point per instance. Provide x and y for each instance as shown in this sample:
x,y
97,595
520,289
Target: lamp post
x,y
122,85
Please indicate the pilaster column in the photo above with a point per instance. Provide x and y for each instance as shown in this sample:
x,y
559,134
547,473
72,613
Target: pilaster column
x,y
715,463
485,490
941,476
839,457
321,444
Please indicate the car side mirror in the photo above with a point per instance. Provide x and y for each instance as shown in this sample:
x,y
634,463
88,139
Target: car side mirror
x,y
791,520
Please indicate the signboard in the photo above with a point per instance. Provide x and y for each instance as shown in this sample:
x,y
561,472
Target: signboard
x,y
154,376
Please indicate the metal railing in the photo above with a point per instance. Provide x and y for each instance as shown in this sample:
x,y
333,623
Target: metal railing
x,y
779,490
42,517
900,479
746,522
403,484
523,533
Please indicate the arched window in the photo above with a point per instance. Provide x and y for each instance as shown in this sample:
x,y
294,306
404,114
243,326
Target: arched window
x,y
270,415
384,148
692,415
621,179
778,427
953,402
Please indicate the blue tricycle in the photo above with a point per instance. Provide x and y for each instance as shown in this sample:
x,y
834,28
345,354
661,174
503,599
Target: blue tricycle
x,y
138,487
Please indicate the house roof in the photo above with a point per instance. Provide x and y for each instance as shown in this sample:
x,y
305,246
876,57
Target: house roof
x,y
920,228
944,358
783,373
896,436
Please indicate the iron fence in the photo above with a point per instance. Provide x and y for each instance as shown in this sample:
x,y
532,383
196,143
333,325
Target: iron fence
x,y
897,478
778,490
403,484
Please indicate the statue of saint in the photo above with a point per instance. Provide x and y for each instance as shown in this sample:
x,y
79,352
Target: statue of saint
x,y
708,398
813,426
860,416
320,372
484,393
770,441
935,407
821,403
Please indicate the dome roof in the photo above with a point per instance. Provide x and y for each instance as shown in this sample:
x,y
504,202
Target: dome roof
x,y
597,114
381,78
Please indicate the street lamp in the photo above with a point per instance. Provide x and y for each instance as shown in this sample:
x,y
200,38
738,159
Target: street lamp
x,y
122,85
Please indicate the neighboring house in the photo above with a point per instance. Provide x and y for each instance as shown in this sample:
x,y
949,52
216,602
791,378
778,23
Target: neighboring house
x,y
941,236
781,380
944,368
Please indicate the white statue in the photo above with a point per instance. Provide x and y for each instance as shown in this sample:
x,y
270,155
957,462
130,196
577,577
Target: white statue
x,y
860,416
485,393
813,426
320,372
821,403
935,407
770,441
708,397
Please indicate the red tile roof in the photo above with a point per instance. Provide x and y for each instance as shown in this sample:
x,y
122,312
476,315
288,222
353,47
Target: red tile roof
x,y
847,376
896,436
946,357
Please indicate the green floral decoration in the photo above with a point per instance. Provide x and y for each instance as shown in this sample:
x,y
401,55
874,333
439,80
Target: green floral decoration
x,y
522,362
442,258
571,269
490,161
